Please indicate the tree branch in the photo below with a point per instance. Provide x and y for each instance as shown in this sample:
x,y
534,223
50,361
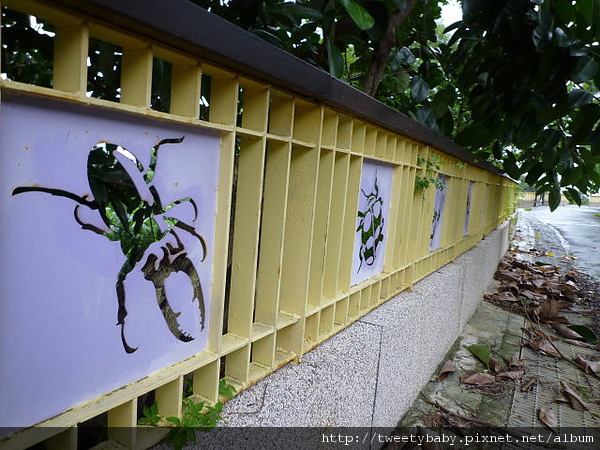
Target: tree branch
x,y
384,48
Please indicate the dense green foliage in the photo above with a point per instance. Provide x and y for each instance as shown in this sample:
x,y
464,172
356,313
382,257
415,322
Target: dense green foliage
x,y
515,81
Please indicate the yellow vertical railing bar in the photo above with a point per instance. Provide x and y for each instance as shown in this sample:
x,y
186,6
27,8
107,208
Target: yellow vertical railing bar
x,y
344,133
263,351
122,422
426,212
341,311
298,236
448,216
320,233
298,229
226,158
463,206
394,213
308,121
393,142
461,209
311,330
136,76
339,190
416,203
281,115
169,397
70,58
330,127
65,440
385,289
255,108
185,90
205,381
375,293
381,144
246,235
223,96
370,141
326,321
272,237
365,300
349,229
416,211
407,182
353,302
400,156
357,144
452,213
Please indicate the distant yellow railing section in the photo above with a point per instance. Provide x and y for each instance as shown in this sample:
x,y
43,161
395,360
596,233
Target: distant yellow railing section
x,y
293,170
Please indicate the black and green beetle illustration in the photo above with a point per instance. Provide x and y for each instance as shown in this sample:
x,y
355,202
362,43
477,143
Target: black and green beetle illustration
x,y
131,209
370,226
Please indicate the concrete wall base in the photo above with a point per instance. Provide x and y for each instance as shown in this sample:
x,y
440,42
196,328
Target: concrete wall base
x,y
369,374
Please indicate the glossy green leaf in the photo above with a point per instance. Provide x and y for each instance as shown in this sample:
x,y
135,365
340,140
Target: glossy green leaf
x,y
554,197
586,69
402,57
419,89
585,332
481,352
573,195
336,59
426,117
442,100
359,15
579,97
474,135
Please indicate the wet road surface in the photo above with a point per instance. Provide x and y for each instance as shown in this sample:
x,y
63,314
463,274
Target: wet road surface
x,y
580,227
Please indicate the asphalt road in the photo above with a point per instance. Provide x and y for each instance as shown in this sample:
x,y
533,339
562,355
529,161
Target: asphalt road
x,y
580,227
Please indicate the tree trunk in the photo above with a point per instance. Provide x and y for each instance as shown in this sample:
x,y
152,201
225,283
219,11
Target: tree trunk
x,y
384,48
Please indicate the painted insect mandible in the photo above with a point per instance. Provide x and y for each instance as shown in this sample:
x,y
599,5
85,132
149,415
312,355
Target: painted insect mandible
x,y
131,209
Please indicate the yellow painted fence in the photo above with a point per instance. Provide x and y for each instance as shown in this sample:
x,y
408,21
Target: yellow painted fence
x,y
287,198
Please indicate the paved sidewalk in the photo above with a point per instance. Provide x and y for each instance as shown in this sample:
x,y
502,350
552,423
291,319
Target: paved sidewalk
x,y
505,403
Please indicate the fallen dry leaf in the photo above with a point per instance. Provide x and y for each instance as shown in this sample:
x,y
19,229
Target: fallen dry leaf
x,y
505,275
540,334
511,375
504,297
580,343
544,347
515,362
575,400
528,385
550,310
478,379
588,366
548,417
530,295
446,370
565,331
494,365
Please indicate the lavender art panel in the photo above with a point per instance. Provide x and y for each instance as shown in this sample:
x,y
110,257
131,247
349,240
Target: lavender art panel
x,y
372,220
107,225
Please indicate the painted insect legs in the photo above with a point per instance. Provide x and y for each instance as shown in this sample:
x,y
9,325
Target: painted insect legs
x,y
131,209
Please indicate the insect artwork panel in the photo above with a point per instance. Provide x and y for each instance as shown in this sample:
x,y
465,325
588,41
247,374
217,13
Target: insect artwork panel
x,y
435,237
372,220
107,228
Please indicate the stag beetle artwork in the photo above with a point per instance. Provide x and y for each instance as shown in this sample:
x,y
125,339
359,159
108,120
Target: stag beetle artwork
x,y
133,214
370,226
